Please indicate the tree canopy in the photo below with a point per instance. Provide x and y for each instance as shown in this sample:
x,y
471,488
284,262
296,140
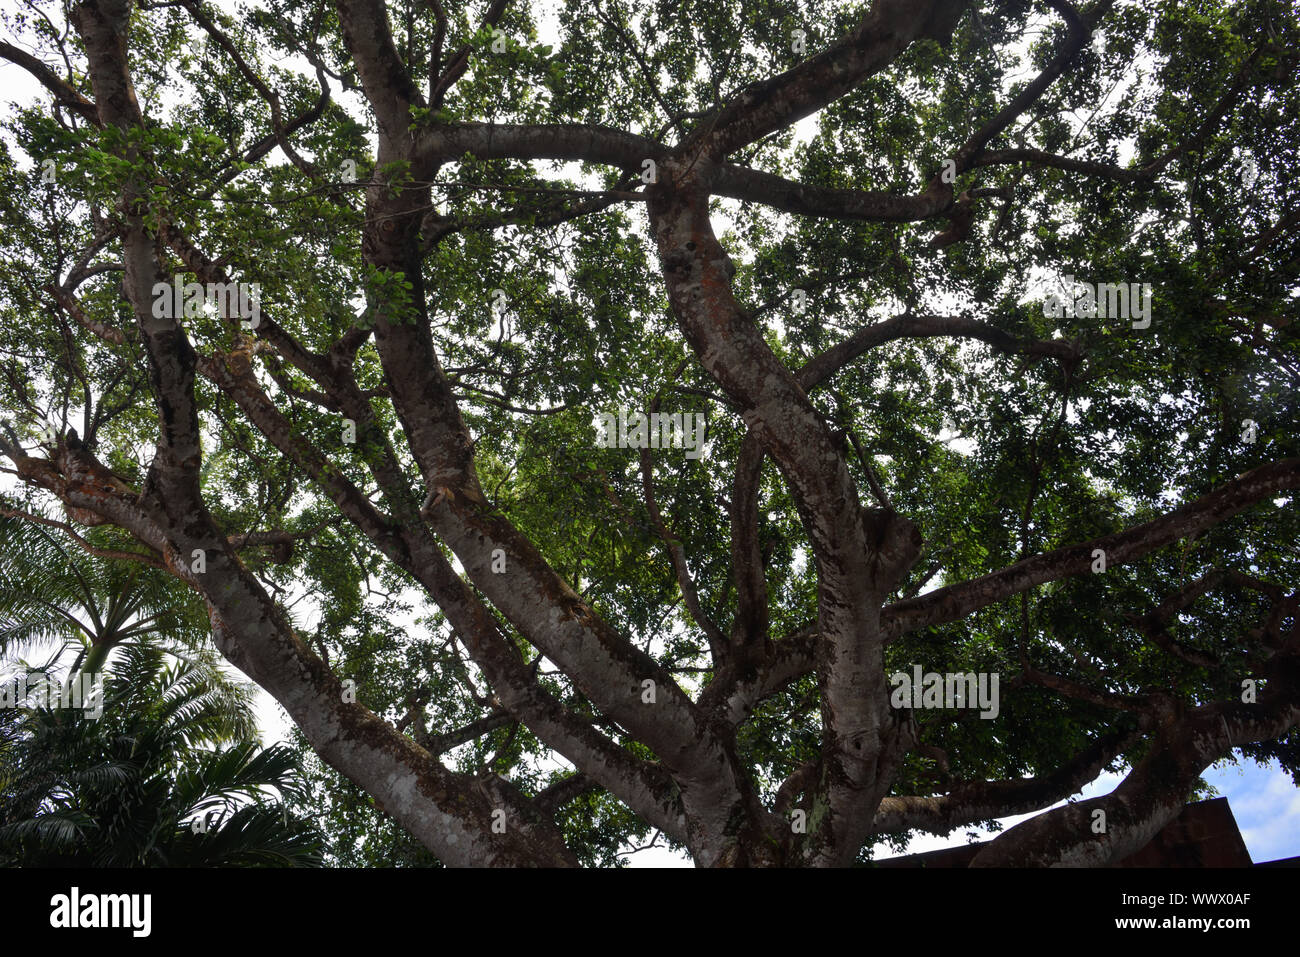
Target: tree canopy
x,y
588,419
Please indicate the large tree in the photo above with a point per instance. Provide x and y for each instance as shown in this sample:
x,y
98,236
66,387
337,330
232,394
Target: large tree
x,y
383,476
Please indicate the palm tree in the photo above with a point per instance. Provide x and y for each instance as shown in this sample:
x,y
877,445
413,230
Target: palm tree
x,y
51,594
170,775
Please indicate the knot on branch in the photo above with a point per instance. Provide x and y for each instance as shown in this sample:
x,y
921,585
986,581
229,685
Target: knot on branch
x,y
960,218
895,543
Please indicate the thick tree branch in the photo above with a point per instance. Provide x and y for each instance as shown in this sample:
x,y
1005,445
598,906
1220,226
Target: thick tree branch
x,y
859,554
957,601
63,91
971,802
387,84
763,108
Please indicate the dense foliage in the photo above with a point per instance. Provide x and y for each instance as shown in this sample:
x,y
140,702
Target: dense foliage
x,y
474,228
164,772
